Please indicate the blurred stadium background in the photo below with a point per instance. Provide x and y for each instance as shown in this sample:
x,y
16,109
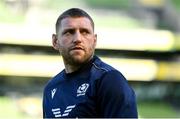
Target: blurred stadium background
x,y
141,38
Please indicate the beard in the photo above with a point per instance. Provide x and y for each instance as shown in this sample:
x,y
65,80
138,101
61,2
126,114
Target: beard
x,y
74,58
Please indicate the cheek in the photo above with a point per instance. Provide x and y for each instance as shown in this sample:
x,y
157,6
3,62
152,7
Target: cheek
x,y
64,42
62,45
91,45
92,42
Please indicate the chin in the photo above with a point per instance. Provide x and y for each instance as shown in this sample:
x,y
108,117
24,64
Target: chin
x,y
78,59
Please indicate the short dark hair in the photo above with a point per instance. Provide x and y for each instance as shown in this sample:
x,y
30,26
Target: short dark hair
x,y
73,12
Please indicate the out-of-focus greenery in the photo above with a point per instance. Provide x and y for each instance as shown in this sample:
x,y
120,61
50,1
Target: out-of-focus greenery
x,y
177,44
113,4
9,109
116,22
156,110
9,16
176,3
61,4
120,4
103,20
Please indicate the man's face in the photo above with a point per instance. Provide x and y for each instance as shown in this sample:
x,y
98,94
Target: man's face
x,y
76,40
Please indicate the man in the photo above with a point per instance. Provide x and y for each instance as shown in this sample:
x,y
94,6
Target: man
x,y
87,87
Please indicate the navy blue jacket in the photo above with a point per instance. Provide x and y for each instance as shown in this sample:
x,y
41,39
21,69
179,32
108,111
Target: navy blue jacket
x,y
95,90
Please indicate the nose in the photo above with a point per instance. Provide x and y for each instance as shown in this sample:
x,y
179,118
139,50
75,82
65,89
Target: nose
x,y
77,37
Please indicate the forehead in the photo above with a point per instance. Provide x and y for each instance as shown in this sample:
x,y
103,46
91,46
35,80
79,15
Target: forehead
x,y
76,22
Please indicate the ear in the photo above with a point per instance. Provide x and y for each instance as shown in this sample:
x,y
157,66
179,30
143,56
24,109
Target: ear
x,y
55,42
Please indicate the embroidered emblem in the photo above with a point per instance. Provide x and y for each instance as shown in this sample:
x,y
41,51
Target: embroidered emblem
x,y
53,92
82,89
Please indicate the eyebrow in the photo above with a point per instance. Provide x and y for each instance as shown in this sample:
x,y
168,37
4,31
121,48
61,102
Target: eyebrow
x,y
71,29
67,29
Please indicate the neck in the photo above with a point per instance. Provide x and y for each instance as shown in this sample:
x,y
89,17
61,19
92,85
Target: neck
x,y
69,68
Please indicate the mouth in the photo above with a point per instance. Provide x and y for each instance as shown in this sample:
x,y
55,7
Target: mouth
x,y
77,48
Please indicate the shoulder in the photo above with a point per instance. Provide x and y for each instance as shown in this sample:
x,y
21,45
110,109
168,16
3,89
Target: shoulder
x,y
115,87
106,70
54,81
114,80
110,78
98,64
100,68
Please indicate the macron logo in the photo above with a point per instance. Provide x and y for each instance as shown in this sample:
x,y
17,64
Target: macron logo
x,y
53,92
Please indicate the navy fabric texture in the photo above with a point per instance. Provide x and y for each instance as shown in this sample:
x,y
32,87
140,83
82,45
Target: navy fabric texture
x,y
95,90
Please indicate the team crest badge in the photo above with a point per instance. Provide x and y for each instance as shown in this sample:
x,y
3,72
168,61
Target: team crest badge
x,y
82,89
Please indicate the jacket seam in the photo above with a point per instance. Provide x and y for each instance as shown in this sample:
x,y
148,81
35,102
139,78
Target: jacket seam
x,y
100,68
